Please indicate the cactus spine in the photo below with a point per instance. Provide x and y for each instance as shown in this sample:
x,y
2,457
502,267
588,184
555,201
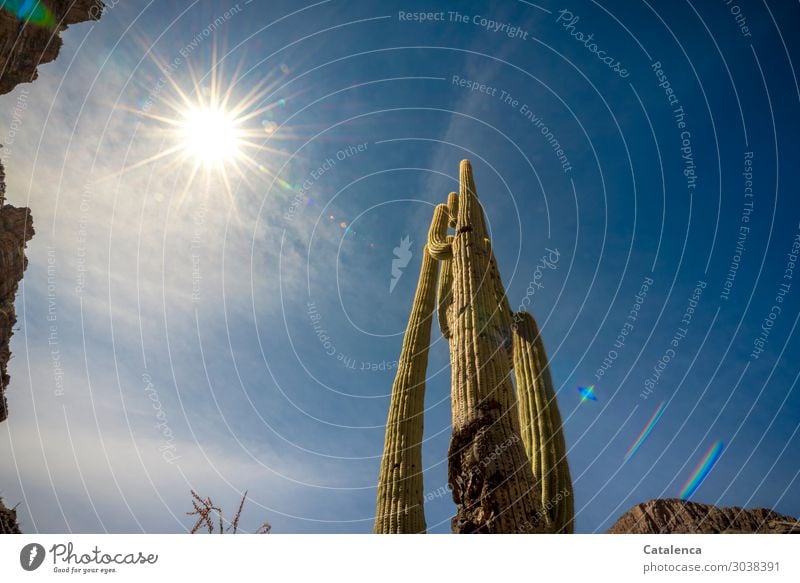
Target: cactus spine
x,y
541,425
399,507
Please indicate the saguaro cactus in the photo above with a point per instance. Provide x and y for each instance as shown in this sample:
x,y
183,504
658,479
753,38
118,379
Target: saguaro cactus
x,y
540,423
489,472
399,507
506,462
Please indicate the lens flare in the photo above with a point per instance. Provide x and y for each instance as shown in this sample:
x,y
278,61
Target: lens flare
x,y
31,11
587,393
702,470
646,431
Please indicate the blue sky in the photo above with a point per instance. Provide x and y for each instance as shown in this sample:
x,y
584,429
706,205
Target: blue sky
x,y
182,322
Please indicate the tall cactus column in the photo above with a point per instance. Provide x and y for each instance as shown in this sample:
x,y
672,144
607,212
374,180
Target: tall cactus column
x,y
399,507
541,425
493,485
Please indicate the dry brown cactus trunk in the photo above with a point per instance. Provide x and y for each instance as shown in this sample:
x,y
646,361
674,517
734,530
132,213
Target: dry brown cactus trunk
x,y
541,425
490,474
399,507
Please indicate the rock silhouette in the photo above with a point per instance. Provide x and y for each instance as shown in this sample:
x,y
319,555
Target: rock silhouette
x,y
673,516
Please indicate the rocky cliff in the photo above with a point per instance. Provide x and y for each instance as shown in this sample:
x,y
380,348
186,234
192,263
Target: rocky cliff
x,y
672,516
8,520
25,45
26,41
16,229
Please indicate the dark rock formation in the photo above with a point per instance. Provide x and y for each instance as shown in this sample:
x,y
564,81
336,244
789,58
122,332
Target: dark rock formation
x,y
24,46
8,520
16,229
672,516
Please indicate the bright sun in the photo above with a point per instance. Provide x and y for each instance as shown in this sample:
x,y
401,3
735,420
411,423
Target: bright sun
x,y
217,128
210,135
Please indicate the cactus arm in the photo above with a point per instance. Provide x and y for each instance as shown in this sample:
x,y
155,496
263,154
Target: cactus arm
x,y
440,244
452,208
444,217
541,426
400,504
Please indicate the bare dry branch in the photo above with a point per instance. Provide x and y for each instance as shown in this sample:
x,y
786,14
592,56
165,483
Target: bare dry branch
x,y
204,509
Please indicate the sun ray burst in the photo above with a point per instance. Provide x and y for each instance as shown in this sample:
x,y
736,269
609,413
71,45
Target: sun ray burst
x,y
206,126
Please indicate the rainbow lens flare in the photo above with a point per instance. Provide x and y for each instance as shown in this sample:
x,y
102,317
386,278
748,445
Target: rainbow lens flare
x,y
702,470
32,11
646,431
587,393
